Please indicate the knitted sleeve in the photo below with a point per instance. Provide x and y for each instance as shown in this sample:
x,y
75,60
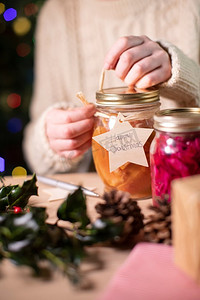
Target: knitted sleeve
x,y
184,85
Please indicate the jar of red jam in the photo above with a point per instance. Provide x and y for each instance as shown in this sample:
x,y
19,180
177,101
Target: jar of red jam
x,y
175,150
122,145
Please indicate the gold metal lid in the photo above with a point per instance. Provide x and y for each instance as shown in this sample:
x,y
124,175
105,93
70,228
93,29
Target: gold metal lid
x,y
126,96
178,120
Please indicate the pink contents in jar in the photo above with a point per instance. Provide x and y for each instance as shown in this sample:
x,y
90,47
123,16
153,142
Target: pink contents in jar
x,y
173,157
175,150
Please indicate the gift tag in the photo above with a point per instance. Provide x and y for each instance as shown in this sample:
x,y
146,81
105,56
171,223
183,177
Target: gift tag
x,y
124,143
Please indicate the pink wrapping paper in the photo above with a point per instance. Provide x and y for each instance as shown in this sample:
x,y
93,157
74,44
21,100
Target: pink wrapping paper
x,y
150,273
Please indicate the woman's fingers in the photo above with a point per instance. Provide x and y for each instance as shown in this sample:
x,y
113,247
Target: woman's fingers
x,y
67,124
61,145
76,152
123,44
155,77
69,130
146,66
60,116
139,61
129,58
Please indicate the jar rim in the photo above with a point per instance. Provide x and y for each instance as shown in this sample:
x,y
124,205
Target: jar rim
x,y
126,96
177,120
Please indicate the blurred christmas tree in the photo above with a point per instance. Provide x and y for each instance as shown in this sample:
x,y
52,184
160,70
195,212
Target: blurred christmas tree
x,y
17,27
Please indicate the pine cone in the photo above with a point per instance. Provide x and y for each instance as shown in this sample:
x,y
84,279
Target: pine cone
x,y
118,208
157,228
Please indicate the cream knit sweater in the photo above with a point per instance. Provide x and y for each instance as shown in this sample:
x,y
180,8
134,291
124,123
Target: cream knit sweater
x,y
72,39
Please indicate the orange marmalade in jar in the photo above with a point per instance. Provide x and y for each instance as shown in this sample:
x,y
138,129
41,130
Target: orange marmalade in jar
x,y
123,132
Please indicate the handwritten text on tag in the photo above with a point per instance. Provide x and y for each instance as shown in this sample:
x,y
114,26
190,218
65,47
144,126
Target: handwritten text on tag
x,y
124,144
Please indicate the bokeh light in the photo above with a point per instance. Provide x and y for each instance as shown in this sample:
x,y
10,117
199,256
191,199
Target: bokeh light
x,y
14,125
19,171
30,9
14,100
10,14
23,49
2,8
21,25
2,164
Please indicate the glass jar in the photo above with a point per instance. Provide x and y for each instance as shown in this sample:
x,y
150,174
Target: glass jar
x,y
137,108
175,150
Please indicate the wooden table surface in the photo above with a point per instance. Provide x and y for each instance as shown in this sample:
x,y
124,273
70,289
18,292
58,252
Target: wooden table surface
x,y
17,282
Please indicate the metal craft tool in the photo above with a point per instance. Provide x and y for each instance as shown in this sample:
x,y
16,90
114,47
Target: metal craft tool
x,y
65,185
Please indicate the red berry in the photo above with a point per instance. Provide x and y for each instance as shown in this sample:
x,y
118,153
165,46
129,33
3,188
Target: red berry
x,y
17,210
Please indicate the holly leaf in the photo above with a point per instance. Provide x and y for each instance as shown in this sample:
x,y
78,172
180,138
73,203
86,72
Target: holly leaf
x,y
3,204
22,226
23,236
26,239
15,195
73,209
4,192
20,195
100,231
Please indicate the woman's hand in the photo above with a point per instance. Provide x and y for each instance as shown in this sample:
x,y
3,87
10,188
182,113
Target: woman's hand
x,y
70,131
139,61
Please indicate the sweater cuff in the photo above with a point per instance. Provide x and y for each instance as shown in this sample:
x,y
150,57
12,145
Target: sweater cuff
x,y
55,162
183,85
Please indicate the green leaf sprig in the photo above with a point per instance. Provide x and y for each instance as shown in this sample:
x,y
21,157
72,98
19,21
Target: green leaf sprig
x,y
27,239
16,195
74,210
